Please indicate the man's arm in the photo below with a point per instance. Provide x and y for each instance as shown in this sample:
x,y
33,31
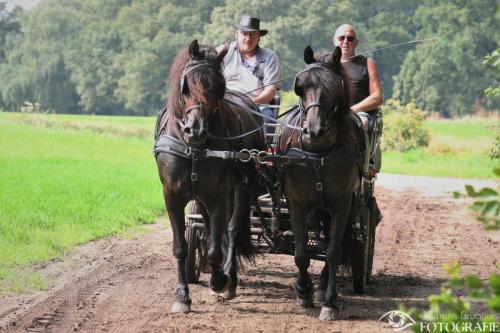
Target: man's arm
x,y
376,97
266,95
272,76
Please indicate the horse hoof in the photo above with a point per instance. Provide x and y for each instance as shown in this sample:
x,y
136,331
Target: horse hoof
x,y
229,294
179,307
328,313
223,288
319,296
305,302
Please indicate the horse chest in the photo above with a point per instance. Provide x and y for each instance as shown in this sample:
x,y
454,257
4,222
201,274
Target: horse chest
x,y
307,184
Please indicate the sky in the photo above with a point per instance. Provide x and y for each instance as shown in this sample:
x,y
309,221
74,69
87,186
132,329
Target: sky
x,y
26,4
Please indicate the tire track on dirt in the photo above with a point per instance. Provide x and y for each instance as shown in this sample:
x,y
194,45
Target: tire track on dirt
x,y
118,285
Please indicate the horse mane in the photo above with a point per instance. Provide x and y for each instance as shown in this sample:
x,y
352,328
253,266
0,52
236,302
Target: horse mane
x,y
176,69
206,84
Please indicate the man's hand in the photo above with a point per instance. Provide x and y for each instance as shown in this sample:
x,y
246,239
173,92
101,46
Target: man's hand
x,y
265,96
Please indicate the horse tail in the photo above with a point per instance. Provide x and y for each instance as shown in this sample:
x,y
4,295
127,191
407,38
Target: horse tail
x,y
243,240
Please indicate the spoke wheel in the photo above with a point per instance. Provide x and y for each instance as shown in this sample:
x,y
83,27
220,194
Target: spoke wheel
x,y
360,250
196,258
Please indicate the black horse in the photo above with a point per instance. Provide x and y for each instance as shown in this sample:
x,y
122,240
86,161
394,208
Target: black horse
x,y
201,130
325,181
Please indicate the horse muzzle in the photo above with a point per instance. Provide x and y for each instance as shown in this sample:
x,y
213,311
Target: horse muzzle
x,y
312,129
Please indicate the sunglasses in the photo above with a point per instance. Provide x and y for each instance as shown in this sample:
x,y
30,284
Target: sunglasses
x,y
349,38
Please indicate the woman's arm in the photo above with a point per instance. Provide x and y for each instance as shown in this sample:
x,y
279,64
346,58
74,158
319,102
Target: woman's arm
x,y
376,97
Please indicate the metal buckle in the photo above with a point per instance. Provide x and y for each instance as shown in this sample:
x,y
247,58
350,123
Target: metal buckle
x,y
245,151
194,177
261,155
319,186
188,151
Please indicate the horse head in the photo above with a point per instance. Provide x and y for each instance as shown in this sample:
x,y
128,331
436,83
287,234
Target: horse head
x,y
323,93
201,88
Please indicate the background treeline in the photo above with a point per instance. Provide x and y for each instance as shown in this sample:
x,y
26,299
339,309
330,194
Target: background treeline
x,y
113,56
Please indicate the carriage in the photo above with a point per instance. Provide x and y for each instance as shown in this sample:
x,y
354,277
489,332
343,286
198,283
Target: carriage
x,y
270,221
308,193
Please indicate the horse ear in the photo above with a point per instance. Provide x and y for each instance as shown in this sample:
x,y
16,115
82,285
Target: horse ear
x,y
309,55
222,53
194,49
336,55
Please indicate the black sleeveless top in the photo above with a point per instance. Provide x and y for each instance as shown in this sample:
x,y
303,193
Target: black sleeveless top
x,y
357,69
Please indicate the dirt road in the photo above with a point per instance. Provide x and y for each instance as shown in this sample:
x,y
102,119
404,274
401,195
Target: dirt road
x,y
127,285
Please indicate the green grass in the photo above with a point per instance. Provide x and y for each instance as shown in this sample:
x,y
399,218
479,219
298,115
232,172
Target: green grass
x,y
458,149
60,187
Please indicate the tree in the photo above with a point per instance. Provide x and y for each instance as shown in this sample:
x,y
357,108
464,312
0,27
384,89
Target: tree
x,y
35,69
444,75
10,28
153,32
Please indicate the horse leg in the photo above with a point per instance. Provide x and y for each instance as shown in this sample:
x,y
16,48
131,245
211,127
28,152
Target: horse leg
x,y
303,284
329,311
175,209
240,216
218,217
319,294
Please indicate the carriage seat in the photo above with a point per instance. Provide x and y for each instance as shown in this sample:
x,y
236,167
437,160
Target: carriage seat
x,y
363,141
375,127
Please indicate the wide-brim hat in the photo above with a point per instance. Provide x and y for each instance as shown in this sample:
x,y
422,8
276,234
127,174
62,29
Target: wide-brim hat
x,y
248,24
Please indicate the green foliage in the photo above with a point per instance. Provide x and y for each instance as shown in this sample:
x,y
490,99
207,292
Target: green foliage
x,y
10,28
112,57
486,204
493,60
404,127
35,70
495,149
446,73
449,312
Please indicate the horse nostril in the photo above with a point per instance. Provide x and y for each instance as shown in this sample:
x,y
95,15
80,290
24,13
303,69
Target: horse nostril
x,y
187,130
305,131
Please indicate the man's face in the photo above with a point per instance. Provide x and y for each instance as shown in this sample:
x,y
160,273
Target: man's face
x,y
347,40
247,41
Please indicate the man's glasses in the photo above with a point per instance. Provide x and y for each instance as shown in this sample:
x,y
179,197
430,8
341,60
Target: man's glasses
x,y
349,38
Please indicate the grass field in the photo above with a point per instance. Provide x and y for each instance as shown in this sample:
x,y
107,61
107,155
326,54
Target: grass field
x,y
458,149
68,179
60,187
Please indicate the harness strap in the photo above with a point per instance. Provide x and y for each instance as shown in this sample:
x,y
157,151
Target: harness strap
x,y
194,173
320,187
236,136
170,145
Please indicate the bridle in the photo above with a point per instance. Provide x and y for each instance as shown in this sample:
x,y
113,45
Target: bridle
x,y
304,109
191,65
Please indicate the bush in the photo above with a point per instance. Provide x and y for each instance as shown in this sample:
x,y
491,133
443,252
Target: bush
x,y
495,149
403,126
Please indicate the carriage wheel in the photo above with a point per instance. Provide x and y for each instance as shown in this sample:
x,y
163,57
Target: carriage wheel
x,y
196,258
373,224
360,252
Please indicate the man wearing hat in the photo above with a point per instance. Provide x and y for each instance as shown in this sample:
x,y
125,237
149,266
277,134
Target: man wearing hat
x,y
251,69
